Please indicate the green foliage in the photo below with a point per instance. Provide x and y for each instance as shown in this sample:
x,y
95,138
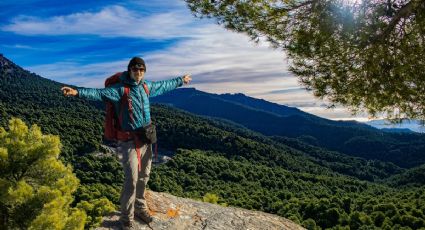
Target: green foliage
x,y
53,216
367,55
310,224
105,169
411,177
96,209
359,219
210,198
36,188
94,191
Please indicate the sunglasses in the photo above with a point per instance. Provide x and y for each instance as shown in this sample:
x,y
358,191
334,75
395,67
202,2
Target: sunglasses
x,y
135,69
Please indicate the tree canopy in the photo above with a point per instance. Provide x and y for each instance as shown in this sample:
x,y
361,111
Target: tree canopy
x,y
366,55
35,187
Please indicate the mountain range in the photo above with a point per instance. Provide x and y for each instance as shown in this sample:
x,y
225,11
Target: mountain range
x,y
271,119
402,126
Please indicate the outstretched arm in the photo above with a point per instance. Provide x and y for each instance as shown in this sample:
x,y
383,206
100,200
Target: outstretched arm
x,y
109,93
160,87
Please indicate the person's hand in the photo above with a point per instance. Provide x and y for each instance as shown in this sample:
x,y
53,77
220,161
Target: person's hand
x,y
186,79
68,91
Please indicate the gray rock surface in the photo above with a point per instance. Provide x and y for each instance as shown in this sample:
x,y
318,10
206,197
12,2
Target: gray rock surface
x,y
177,213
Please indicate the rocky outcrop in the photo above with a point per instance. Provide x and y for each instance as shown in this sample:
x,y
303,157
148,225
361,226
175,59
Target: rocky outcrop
x,y
172,212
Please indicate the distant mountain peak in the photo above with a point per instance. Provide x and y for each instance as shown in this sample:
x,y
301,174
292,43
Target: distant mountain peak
x,y
189,89
4,61
413,125
7,66
234,94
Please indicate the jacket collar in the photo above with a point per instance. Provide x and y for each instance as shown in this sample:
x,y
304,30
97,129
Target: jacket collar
x,y
126,79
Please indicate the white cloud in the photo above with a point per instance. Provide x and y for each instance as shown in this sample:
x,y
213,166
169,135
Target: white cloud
x,y
169,4
112,21
20,46
91,75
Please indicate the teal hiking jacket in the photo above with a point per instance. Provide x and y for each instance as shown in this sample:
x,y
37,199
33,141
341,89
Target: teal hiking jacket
x,y
140,100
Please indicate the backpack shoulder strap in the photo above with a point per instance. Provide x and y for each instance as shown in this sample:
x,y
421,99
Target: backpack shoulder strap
x,y
145,86
126,92
126,99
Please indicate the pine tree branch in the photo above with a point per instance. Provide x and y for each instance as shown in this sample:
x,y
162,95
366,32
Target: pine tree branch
x,y
404,12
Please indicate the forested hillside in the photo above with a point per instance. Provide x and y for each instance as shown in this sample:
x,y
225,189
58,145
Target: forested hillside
x,y
39,101
352,138
282,174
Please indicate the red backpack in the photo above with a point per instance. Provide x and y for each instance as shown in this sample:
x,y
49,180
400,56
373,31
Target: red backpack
x,y
113,121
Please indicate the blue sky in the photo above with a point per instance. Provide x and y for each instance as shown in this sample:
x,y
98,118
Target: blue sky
x,y
83,42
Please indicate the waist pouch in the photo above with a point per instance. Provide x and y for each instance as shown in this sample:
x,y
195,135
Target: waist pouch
x,y
146,134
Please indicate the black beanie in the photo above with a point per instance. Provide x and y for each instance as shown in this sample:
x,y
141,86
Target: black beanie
x,y
136,61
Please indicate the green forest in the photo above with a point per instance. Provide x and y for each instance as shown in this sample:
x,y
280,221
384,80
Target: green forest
x,y
349,137
313,186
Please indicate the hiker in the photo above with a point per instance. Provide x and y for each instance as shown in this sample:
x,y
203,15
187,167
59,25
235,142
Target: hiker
x,y
130,99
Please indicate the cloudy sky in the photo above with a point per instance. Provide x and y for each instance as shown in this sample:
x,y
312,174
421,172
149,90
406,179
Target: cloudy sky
x,y
83,42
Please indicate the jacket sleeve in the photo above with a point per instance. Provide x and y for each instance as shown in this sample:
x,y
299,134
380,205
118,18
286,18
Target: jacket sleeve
x,y
105,94
160,87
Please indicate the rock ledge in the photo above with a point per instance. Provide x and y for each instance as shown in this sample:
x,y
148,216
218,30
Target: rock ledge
x,y
177,213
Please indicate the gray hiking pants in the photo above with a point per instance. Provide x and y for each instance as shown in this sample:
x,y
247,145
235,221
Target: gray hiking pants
x,y
133,191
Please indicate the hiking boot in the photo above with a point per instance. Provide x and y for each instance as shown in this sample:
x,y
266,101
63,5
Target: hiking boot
x,y
144,215
127,225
